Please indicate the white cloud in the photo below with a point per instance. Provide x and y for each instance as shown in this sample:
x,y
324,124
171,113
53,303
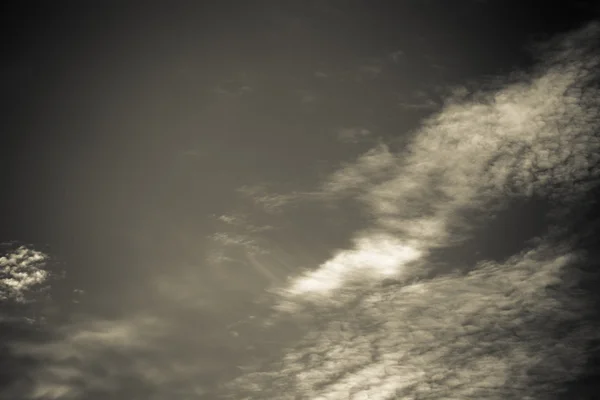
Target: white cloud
x,y
381,255
21,271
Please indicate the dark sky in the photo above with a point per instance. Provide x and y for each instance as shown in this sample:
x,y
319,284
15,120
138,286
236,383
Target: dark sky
x,y
184,164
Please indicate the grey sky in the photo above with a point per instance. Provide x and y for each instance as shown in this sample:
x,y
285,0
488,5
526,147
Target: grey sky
x,y
321,200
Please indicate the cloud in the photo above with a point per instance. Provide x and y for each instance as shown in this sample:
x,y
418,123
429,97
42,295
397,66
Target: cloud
x,y
419,100
236,234
168,351
536,136
307,96
234,87
353,135
370,70
374,254
502,330
91,357
369,168
270,202
275,203
396,56
495,333
21,271
242,221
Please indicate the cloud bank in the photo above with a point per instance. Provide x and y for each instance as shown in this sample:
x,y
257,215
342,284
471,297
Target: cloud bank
x,y
533,136
495,330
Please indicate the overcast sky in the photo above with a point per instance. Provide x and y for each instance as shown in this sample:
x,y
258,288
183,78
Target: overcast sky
x,y
299,200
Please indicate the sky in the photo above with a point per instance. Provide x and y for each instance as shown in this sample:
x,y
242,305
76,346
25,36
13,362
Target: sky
x,y
337,199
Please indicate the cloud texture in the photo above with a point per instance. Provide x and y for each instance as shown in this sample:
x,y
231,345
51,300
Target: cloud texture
x,y
513,329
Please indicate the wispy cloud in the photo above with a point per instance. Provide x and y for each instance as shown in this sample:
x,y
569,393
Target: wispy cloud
x,y
353,134
396,56
97,357
370,70
270,202
159,353
234,87
273,202
237,232
307,96
419,100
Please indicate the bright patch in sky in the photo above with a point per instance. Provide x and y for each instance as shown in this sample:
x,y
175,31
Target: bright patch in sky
x,y
21,271
378,256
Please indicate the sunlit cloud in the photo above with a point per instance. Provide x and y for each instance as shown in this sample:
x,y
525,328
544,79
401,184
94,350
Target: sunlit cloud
x,y
502,330
382,255
536,136
495,333
21,271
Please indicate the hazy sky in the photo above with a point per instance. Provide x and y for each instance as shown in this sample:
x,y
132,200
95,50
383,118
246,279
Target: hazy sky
x,y
299,200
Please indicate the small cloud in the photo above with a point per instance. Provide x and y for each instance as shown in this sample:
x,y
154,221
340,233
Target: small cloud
x,y
396,56
269,202
242,222
427,104
237,86
353,135
229,239
321,74
417,100
231,219
307,96
226,90
21,271
370,71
